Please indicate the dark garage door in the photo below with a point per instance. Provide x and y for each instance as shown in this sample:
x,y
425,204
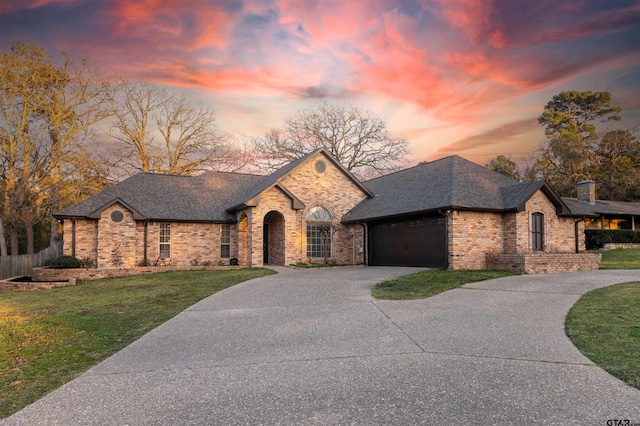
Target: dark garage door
x,y
409,242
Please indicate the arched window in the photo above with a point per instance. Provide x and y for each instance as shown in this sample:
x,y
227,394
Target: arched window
x,y
537,231
319,233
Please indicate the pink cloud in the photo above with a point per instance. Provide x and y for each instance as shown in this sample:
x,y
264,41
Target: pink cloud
x,y
448,61
165,24
495,136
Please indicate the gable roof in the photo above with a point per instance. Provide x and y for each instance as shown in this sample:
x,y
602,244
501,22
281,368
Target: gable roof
x,y
247,197
451,183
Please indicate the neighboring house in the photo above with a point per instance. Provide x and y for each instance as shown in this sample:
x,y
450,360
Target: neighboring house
x,y
450,213
602,214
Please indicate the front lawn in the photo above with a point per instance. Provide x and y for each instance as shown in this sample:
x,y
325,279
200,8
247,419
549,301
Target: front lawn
x,y
429,283
605,326
49,337
620,259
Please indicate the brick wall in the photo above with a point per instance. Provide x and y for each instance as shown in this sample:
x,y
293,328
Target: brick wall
x,y
474,235
471,236
191,243
559,235
116,240
335,192
86,239
540,263
330,189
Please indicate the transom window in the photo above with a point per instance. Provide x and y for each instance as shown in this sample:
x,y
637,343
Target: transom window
x,y
319,233
225,240
165,240
537,231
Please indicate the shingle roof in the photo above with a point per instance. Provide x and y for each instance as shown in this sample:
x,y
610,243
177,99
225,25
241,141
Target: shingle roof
x,y
449,183
202,198
603,207
209,197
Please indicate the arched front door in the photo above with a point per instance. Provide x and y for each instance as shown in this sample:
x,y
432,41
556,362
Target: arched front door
x,y
273,244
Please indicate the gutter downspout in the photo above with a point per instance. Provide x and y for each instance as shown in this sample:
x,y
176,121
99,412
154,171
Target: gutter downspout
x,y
73,237
577,236
144,255
365,261
446,233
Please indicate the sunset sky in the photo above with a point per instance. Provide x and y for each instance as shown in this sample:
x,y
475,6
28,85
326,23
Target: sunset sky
x,y
466,77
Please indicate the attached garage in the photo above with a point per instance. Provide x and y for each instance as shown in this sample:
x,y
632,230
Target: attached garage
x,y
420,241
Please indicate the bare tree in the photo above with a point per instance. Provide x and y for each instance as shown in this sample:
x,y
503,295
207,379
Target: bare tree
x,y
48,106
357,138
24,76
164,132
75,102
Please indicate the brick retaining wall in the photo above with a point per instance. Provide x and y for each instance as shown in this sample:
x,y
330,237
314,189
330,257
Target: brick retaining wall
x,y
8,286
49,274
543,263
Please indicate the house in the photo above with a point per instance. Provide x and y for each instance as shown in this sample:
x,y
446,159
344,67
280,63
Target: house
x,y
450,213
601,214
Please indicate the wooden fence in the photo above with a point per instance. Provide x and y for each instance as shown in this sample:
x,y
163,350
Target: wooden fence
x,y
12,266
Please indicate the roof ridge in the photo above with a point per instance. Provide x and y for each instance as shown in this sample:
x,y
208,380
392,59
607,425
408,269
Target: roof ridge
x,y
230,173
421,164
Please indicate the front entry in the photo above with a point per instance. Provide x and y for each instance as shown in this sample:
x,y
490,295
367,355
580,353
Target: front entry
x,y
273,241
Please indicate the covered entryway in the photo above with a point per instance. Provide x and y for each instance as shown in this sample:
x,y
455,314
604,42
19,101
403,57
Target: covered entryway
x,y
418,241
273,244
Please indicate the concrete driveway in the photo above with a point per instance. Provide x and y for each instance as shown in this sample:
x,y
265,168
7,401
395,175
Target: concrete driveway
x,y
313,347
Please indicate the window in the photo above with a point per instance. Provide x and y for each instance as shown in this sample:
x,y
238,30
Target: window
x,y
117,216
165,240
537,231
225,240
319,233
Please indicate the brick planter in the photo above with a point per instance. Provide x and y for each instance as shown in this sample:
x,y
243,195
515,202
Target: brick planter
x,y
9,286
49,274
543,263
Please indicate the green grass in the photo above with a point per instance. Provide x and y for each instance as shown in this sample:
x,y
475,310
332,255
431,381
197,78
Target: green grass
x,y
605,326
48,337
429,283
620,259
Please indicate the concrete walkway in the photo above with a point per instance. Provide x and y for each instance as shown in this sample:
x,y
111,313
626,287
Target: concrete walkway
x,y
313,347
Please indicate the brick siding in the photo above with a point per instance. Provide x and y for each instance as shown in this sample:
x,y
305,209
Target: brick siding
x,y
331,190
475,237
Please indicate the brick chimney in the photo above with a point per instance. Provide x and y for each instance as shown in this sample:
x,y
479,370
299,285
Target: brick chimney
x,y
587,192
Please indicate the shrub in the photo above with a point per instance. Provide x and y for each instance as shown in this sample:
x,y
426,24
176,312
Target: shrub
x,y
87,262
64,262
597,238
